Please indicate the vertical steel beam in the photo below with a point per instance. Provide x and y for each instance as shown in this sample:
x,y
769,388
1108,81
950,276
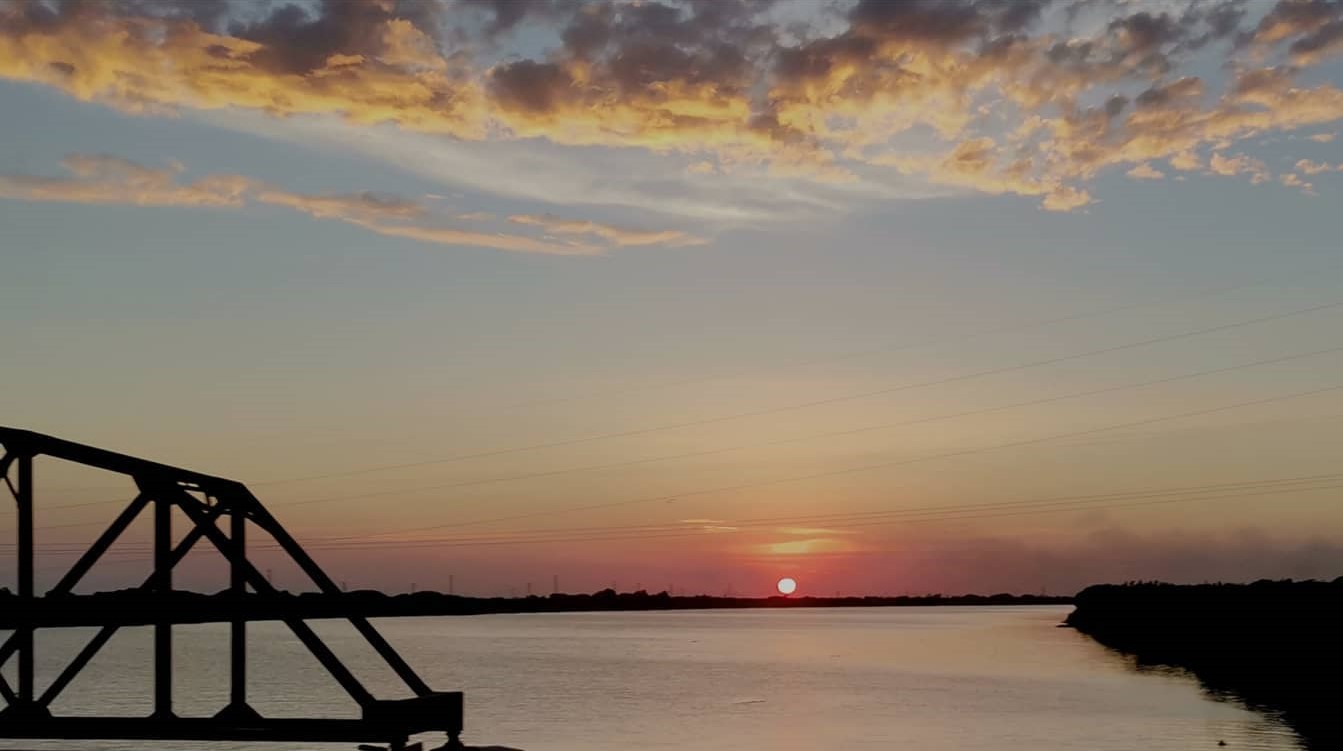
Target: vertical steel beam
x,y
238,632
191,507
107,632
163,635
24,496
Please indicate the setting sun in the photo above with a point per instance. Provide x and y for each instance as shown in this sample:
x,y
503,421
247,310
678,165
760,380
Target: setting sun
x,y
787,586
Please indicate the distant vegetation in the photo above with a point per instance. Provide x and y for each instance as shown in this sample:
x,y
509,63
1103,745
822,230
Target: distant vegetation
x,y
133,606
1277,645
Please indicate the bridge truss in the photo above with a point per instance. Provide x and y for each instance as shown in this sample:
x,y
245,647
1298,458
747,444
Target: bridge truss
x,y
205,501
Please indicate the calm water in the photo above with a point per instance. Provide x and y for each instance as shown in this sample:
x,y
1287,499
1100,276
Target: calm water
x,y
896,678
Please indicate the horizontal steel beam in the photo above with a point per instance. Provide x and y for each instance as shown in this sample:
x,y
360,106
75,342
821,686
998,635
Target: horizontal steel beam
x,y
26,442
210,729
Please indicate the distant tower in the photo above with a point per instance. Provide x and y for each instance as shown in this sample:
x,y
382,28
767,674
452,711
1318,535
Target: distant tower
x,y
451,588
529,589
555,584
268,577
412,587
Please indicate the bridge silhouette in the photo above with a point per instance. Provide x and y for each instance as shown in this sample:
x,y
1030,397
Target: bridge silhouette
x,y
204,500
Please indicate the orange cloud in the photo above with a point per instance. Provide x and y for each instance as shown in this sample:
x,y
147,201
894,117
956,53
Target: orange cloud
x,y
99,178
619,235
807,546
1146,171
112,180
1306,166
973,93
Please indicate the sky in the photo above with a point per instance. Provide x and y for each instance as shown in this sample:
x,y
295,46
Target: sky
x,y
886,297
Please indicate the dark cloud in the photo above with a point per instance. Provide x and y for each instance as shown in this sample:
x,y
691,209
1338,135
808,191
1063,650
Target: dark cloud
x,y
505,15
1327,38
1292,18
297,40
529,86
1164,95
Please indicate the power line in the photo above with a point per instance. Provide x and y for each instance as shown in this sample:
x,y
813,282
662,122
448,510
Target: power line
x,y
808,404
863,468
815,436
727,449
832,518
967,512
816,360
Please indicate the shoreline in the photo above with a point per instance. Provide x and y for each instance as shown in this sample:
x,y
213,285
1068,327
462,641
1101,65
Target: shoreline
x,y
136,607
1273,645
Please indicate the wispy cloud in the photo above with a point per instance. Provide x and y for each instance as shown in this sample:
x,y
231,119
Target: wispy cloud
x,y
622,236
98,178
103,179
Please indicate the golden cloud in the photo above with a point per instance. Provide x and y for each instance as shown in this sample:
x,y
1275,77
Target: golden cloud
x,y
99,178
102,179
989,99
1146,171
619,235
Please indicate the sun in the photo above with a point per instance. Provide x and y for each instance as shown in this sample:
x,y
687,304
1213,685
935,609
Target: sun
x,y
787,586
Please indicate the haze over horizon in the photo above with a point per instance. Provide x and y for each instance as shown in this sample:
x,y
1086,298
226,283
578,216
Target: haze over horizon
x,y
966,296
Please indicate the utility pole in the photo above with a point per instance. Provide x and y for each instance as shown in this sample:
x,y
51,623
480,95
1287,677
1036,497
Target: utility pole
x,y
451,588
529,589
555,584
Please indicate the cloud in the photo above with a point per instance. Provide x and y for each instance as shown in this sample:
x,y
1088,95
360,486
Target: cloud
x,y
365,206
1306,166
97,178
457,237
814,531
102,179
1239,165
808,546
1146,171
983,95
1293,180
1323,137
619,235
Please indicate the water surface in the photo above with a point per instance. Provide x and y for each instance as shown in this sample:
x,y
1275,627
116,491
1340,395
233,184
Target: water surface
x,y
932,679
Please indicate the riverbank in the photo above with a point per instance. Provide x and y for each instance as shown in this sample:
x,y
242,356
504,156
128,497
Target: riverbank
x,y
1275,645
138,607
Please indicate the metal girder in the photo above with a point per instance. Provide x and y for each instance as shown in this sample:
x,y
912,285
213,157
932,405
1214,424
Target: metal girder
x,y
164,487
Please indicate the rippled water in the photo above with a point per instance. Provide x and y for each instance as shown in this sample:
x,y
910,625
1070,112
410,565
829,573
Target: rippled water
x,y
894,678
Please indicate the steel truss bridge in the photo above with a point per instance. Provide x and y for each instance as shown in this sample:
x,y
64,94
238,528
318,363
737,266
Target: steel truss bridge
x,y
206,501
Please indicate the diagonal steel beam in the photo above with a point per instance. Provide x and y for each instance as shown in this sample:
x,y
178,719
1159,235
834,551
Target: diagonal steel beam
x,y
324,583
85,562
192,508
106,632
7,692
100,546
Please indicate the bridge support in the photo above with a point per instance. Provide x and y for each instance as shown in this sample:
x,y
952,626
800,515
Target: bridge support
x,y
202,500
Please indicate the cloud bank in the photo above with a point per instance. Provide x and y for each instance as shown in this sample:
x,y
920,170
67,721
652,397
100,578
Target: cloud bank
x,y
1030,97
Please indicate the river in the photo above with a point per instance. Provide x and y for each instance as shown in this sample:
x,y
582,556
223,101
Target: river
x,y
932,679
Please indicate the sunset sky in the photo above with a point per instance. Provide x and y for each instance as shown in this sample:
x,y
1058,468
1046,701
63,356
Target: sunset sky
x,y
889,297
